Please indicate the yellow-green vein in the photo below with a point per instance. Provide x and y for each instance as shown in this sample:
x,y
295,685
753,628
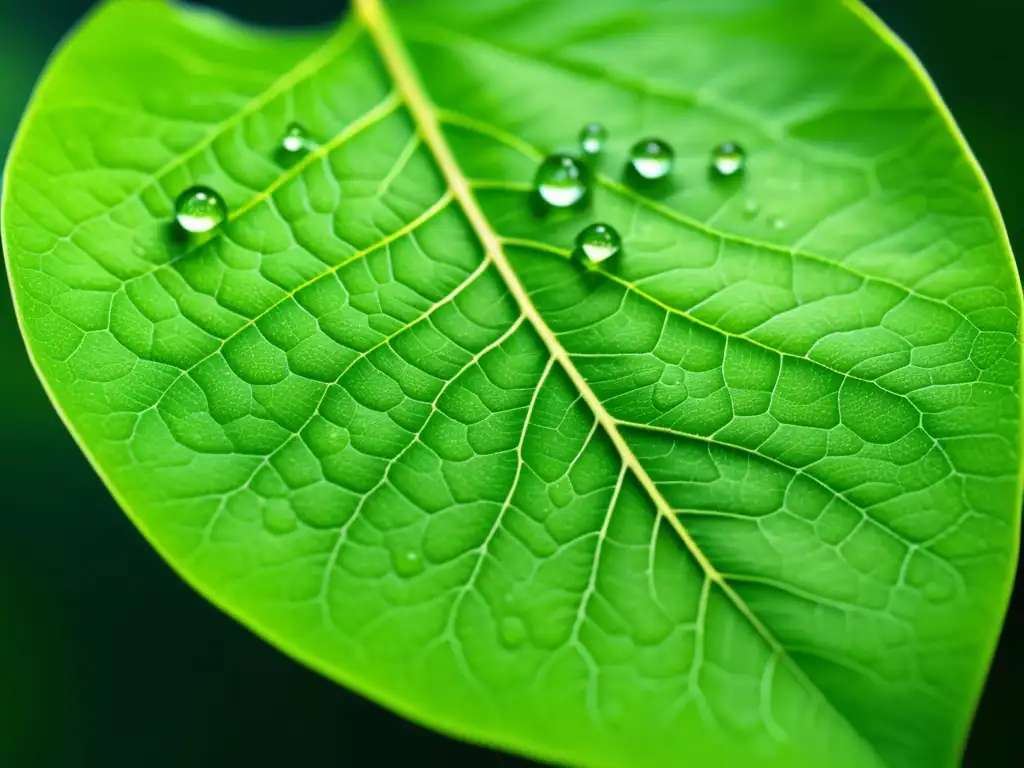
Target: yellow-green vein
x,y
397,61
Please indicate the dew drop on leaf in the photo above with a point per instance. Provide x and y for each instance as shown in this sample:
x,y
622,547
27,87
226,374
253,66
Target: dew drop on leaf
x,y
652,159
751,208
561,181
592,138
728,159
777,222
278,516
407,562
598,242
200,209
295,141
513,631
561,493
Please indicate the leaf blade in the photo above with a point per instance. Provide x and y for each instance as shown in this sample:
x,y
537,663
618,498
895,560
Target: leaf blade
x,y
287,430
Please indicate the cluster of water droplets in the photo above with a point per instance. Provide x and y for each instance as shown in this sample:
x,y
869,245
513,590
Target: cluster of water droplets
x,y
199,210
563,181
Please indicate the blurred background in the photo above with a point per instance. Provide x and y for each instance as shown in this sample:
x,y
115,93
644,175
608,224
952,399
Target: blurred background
x,y
108,660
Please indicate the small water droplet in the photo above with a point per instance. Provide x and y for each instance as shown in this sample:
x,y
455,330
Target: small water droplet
x,y
561,492
296,141
777,223
139,250
598,242
407,562
200,209
751,208
513,631
652,158
728,159
278,516
561,181
592,138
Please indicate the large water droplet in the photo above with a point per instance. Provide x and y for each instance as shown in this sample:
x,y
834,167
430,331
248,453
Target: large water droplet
x,y
513,631
652,158
278,516
296,141
728,159
561,181
592,138
407,562
561,493
598,242
200,209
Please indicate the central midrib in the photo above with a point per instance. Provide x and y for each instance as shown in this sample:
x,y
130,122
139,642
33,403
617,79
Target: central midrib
x,y
424,114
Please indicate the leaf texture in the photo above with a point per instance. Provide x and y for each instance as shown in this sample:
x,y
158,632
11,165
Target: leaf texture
x,y
748,495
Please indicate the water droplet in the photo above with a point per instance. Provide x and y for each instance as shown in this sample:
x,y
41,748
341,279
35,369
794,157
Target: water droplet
x,y
200,209
652,158
513,631
561,181
407,562
278,516
561,492
728,159
598,242
777,223
592,138
296,141
751,208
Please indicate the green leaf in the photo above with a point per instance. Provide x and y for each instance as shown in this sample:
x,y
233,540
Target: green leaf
x,y
746,495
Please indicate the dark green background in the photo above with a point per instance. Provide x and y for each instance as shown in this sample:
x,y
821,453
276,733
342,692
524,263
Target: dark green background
x,y
108,660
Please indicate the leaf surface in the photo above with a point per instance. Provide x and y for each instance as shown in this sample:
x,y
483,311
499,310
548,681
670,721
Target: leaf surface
x,y
746,495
